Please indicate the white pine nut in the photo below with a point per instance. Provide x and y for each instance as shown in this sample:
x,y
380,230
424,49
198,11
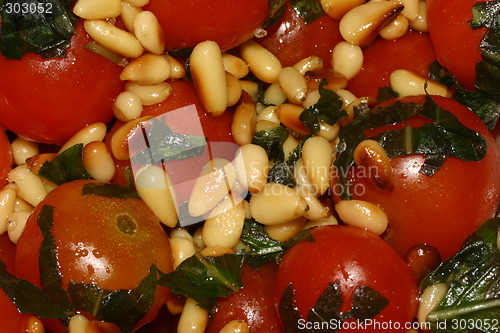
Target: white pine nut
x,y
114,39
233,89
235,326
128,14
312,63
317,155
347,59
98,162
293,84
284,231
268,114
411,9
312,98
23,149
22,206
127,106
78,324
209,76
97,9
360,25
251,88
330,220
7,205
181,232
157,192
198,238
177,71
329,132
362,214
119,140
289,115
346,96
175,304
92,132
262,63
49,186
317,210
243,123
214,183
336,9
274,94
150,94
277,204
396,29
194,319
372,157
225,229
182,248
215,251
420,23
235,65
148,69
138,3
29,186
289,146
149,32
252,166
407,83
248,213
16,224
430,299
301,178
236,196
262,125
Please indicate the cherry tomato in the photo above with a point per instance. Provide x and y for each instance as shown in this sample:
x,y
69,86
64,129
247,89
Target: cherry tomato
x,y
353,258
49,100
254,303
187,23
444,209
6,159
383,57
292,40
455,42
107,241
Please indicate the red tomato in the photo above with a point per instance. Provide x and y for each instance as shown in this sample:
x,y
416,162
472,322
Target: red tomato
x,y
49,100
187,23
353,258
291,40
110,242
444,209
254,303
455,42
6,159
385,56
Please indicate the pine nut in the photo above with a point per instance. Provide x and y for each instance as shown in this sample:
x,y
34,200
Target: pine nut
x,y
15,225
34,325
420,23
149,32
194,319
360,25
128,14
29,186
329,132
198,239
156,190
235,65
93,132
235,326
317,154
262,125
407,83
251,88
301,178
396,29
35,162
78,324
175,304
312,98
268,114
293,84
252,166
347,59
177,71
411,9
233,89
209,76
309,64
114,39
372,157
127,106
346,96
277,204
138,3
236,196
7,204
289,146
150,94
215,251
98,161
430,299
317,210
274,94
119,140
262,63
97,9
22,206
330,220
148,69
181,232
335,79
350,109
284,231
336,9
182,248
213,184
49,186
243,123
23,149
362,214
225,229
289,114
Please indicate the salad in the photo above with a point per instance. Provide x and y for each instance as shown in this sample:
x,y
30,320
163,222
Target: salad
x,y
249,166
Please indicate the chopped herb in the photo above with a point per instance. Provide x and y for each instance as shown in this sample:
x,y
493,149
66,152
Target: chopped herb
x,y
385,94
308,10
109,190
367,303
276,10
288,311
272,141
66,167
327,307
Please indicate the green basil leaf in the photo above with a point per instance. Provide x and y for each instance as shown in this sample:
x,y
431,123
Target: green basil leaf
x,y
473,279
276,10
486,14
109,190
272,141
206,278
27,297
289,314
326,311
66,167
367,303
308,10
281,173
263,248
385,94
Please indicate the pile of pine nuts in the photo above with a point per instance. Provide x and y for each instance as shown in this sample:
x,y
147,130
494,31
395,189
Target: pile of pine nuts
x,y
220,80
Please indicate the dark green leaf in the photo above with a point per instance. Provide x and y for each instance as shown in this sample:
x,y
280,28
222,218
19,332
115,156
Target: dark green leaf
x,y
272,141
385,94
276,10
206,278
165,145
326,311
66,167
303,236
109,190
263,247
288,311
27,297
486,14
281,173
367,303
308,10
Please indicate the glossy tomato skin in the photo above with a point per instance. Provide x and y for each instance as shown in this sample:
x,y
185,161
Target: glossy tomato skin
x,y
92,245
352,257
229,23
254,303
292,40
444,209
6,159
49,100
414,51
455,42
